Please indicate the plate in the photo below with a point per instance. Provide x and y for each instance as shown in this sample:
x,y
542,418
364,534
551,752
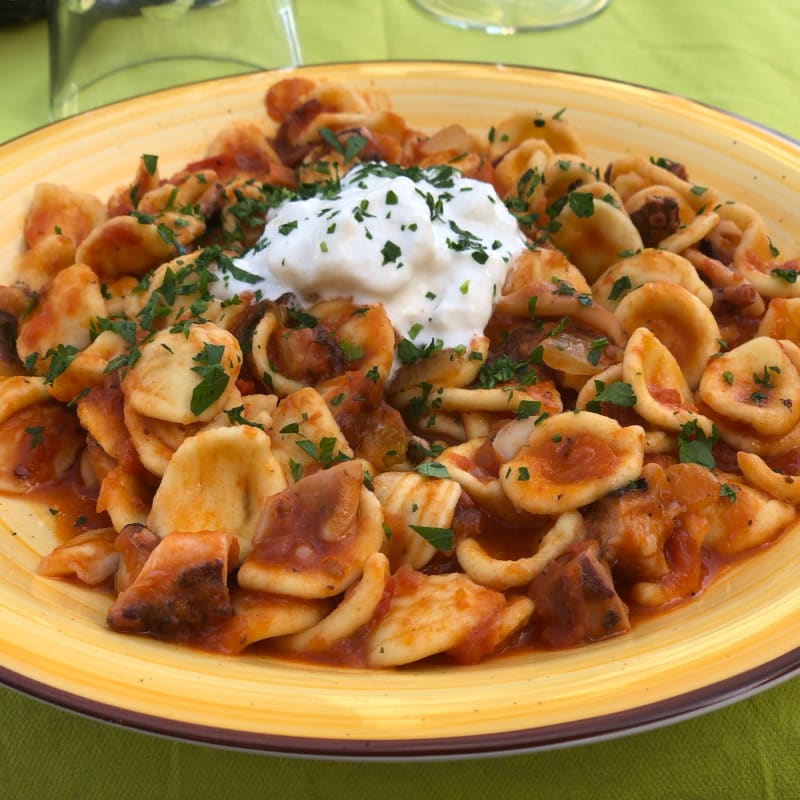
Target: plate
x,y
741,635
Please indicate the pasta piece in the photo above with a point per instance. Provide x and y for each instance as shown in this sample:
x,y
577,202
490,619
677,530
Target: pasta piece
x,y
474,466
431,614
267,328
219,479
184,377
125,246
242,151
502,574
756,385
39,439
259,616
759,475
781,320
89,367
544,266
690,234
551,303
409,499
593,229
100,412
644,267
528,158
502,628
305,436
198,190
126,496
745,518
39,265
61,211
178,278
155,440
59,324
506,399
755,257
566,172
631,174
443,368
356,608
680,321
181,589
570,460
521,126
90,557
313,538
663,397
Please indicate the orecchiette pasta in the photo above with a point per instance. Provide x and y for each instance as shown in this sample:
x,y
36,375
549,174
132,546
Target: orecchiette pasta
x,y
587,410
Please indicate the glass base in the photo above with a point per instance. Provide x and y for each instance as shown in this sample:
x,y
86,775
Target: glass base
x,y
511,16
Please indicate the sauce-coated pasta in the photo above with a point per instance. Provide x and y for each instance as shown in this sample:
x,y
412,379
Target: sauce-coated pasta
x,y
579,402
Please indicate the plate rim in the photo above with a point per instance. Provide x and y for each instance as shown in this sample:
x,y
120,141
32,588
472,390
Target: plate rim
x,y
575,733
571,733
499,65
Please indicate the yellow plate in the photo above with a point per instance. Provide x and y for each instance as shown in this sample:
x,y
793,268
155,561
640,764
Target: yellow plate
x,y
742,634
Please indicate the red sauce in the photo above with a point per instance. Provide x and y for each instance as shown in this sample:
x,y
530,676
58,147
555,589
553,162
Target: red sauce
x,y
573,458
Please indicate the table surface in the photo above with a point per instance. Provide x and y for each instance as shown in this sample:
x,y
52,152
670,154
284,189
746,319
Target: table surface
x,y
735,55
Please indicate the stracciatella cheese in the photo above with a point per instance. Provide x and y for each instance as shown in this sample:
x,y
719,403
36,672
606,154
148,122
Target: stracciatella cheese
x,y
432,246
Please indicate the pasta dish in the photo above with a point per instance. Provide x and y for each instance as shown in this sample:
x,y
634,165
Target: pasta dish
x,y
346,391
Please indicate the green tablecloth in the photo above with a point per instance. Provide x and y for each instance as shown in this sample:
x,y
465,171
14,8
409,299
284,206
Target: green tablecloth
x,y
737,55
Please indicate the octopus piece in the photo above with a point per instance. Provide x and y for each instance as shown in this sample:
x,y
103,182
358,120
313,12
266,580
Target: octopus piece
x,y
575,601
313,539
375,430
134,544
181,589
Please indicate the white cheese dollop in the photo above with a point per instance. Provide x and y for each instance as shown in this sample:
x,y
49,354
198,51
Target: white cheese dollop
x,y
432,246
